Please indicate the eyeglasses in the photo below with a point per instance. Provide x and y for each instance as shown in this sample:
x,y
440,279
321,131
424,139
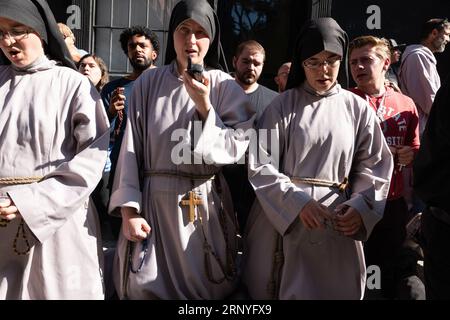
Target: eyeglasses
x,y
15,33
315,64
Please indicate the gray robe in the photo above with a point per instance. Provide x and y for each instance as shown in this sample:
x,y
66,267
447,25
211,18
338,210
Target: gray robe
x,y
326,138
419,79
161,120
53,125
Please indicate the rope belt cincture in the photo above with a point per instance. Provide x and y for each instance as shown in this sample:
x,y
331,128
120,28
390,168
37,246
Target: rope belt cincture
x,y
179,174
21,180
21,229
323,183
273,286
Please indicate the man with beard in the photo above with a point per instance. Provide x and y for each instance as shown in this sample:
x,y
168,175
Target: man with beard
x,y
418,75
248,63
141,45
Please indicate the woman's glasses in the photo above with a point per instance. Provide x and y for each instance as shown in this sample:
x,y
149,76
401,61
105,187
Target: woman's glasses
x,y
15,33
316,64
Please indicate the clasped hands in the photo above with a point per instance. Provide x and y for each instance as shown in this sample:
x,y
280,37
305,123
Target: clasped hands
x,y
344,219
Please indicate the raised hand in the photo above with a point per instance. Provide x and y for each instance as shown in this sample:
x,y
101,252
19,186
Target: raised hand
x,y
199,93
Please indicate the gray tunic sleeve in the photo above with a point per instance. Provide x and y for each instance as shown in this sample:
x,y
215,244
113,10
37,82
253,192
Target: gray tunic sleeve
x,y
225,136
370,174
47,205
281,199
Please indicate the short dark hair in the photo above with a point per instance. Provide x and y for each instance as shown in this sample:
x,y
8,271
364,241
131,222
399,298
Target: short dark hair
x,y
432,24
251,44
126,35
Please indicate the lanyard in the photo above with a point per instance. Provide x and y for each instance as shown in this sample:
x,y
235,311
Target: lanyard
x,y
381,110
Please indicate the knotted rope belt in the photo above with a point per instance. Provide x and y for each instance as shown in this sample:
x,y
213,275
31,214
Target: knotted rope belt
x,y
273,287
17,181
323,183
179,174
21,228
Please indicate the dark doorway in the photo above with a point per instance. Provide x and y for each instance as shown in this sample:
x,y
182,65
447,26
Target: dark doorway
x,y
273,23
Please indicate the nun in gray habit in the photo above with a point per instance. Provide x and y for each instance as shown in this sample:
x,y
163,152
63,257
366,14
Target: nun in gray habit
x,y
54,137
178,237
321,179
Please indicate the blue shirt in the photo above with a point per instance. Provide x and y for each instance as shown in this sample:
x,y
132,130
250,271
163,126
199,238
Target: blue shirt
x,y
116,140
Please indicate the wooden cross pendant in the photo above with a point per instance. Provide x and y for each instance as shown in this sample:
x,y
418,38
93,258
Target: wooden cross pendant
x,y
194,200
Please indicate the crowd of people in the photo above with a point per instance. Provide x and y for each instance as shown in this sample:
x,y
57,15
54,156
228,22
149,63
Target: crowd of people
x,y
164,185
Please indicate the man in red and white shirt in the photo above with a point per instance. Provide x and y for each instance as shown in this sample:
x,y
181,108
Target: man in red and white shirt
x,y
369,60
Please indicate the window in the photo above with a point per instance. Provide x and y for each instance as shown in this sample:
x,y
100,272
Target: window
x,y
113,16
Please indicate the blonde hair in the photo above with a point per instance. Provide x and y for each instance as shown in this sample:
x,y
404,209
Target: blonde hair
x,y
251,45
381,45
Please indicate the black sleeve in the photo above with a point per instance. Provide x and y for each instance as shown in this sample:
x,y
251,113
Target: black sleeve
x,y
432,164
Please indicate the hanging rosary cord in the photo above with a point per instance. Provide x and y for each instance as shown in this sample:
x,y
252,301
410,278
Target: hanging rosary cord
x,y
141,262
126,270
231,265
229,270
21,228
273,287
25,240
3,223
120,117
